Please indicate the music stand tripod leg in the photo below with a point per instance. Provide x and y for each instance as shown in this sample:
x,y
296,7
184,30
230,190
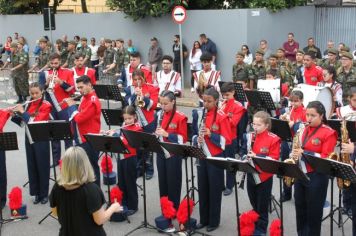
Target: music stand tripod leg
x,y
237,207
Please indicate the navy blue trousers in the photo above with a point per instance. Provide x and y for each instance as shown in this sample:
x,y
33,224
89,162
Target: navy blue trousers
x,y
127,182
37,155
93,158
259,196
210,185
3,178
309,202
285,150
170,177
230,151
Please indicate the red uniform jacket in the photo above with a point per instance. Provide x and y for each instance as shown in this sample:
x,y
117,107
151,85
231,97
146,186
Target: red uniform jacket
x,y
298,114
177,127
313,75
62,91
87,117
234,111
77,72
266,144
132,150
43,112
322,142
4,116
146,71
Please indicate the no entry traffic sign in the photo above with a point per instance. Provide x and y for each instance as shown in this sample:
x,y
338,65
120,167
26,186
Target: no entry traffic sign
x,y
179,14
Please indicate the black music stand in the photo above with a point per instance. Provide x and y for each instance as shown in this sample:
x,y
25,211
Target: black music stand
x,y
334,169
185,151
113,117
55,130
260,100
280,169
109,92
149,143
281,129
8,142
239,91
190,136
231,164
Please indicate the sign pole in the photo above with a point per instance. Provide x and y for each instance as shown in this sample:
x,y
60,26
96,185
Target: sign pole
x,y
181,55
50,23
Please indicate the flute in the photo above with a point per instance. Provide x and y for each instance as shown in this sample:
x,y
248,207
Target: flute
x,y
22,104
66,99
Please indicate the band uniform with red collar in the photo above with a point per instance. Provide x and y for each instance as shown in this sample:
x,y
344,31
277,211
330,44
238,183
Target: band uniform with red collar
x,y
346,110
176,128
77,72
298,116
170,81
322,141
234,111
126,78
86,117
132,150
220,131
61,91
266,144
210,78
150,98
313,75
4,116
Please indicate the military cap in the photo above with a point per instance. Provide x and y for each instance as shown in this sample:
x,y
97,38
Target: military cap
x,y
333,51
72,42
281,49
300,51
42,40
13,45
239,53
260,51
273,56
347,55
84,39
312,50
345,49
108,41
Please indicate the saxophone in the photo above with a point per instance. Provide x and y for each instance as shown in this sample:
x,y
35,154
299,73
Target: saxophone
x,y
294,159
201,84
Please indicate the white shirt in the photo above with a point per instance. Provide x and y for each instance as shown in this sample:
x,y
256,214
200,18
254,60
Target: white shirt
x,y
248,59
170,81
195,63
94,52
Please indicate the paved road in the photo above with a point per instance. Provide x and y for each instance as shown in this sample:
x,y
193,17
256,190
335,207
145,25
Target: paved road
x,y
17,176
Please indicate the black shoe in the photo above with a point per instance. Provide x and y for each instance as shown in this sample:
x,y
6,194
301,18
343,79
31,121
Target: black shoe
x,y
211,228
227,191
44,200
131,212
37,200
200,226
149,176
139,174
286,198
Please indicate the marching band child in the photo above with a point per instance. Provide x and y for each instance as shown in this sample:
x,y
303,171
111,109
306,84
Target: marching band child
x,y
261,143
127,168
235,111
4,116
211,130
171,127
37,153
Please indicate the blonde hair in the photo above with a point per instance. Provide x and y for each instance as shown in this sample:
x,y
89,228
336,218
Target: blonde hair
x,y
76,168
265,118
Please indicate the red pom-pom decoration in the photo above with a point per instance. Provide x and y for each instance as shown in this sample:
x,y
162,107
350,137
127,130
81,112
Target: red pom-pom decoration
x,y
182,213
275,228
15,198
247,222
167,207
60,164
103,165
116,194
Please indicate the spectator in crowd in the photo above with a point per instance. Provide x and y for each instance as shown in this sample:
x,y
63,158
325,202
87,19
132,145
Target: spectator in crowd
x,y
207,45
240,69
94,59
330,45
298,68
77,40
354,53
101,48
7,46
195,63
346,75
331,60
154,56
85,50
71,55
176,53
312,73
257,69
23,41
65,40
130,47
121,58
16,37
248,58
37,50
291,47
61,50
266,50
311,45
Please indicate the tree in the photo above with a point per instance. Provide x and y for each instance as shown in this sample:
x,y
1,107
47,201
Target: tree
x,y
22,6
84,6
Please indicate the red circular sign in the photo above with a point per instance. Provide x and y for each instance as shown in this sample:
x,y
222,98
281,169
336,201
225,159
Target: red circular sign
x,y
179,14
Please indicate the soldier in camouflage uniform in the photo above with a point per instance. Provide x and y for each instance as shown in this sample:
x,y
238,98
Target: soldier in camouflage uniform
x,y
19,63
346,75
273,65
85,51
331,60
257,69
71,55
121,58
42,62
240,69
108,60
61,50
297,71
284,67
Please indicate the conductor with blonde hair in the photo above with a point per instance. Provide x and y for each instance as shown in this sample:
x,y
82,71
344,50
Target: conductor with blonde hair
x,y
77,200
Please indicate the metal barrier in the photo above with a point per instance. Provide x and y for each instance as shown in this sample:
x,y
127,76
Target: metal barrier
x,y
33,77
6,85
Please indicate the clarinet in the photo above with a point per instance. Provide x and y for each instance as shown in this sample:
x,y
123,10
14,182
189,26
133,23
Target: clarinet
x,y
202,127
253,139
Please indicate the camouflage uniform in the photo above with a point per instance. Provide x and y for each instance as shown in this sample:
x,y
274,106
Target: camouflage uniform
x,y
347,81
43,58
325,63
297,73
122,58
285,71
86,52
70,59
64,55
20,75
257,71
108,59
240,72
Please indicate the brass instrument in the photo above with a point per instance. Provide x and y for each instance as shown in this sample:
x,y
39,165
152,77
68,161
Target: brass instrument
x,y
202,127
201,84
294,159
52,81
139,99
286,115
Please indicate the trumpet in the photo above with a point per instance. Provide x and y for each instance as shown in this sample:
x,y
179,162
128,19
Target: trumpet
x,y
139,100
52,81
72,98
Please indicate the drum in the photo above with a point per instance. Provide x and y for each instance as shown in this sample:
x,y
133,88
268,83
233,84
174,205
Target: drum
x,y
271,86
322,94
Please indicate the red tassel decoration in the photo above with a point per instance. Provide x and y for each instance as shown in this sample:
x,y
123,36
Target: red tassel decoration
x,y
105,159
116,194
15,198
247,222
275,228
182,213
60,164
167,207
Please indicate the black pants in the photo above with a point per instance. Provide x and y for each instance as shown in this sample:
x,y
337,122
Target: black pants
x,y
3,178
127,182
309,202
37,155
210,185
347,198
285,150
192,78
92,65
93,158
230,151
259,196
170,177
150,128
